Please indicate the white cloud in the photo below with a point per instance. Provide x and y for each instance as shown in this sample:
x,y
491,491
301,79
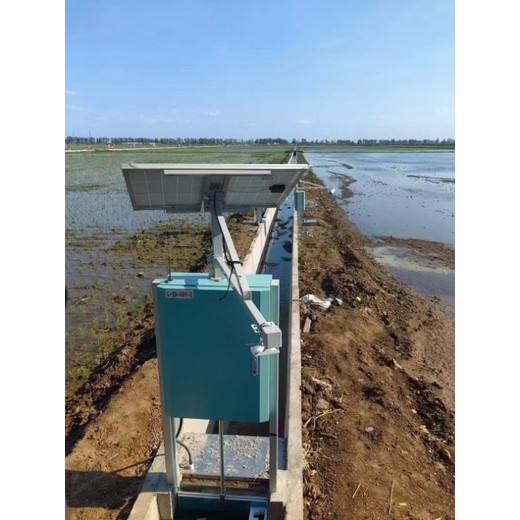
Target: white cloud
x,y
303,121
149,120
378,117
74,107
214,113
70,92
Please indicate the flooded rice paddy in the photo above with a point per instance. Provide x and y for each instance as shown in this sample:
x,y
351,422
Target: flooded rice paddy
x,y
113,253
405,195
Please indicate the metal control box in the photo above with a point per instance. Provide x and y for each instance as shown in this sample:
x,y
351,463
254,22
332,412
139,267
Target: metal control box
x,y
204,338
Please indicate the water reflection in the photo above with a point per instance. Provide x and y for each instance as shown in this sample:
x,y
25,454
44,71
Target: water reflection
x,y
404,195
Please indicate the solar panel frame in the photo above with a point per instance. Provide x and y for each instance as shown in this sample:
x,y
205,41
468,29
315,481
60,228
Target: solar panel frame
x,y
185,188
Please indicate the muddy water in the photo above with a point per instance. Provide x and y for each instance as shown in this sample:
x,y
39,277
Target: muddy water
x,y
400,194
278,263
98,213
426,275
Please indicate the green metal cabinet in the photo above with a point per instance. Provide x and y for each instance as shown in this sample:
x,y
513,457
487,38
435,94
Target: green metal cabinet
x,y
204,336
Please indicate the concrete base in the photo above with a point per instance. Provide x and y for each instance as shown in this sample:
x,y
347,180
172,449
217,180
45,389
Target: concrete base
x,y
154,501
246,456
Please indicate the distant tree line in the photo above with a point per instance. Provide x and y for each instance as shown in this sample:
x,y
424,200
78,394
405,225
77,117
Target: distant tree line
x,y
208,141
381,142
180,141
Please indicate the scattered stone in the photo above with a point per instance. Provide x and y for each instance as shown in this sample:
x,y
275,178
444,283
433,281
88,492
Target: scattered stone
x,y
322,404
369,429
307,326
324,384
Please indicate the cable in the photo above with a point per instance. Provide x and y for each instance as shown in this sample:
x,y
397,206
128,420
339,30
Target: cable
x,y
230,263
180,443
229,283
219,226
190,460
179,428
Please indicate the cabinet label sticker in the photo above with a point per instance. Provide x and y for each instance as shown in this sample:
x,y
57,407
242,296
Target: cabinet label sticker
x,y
179,294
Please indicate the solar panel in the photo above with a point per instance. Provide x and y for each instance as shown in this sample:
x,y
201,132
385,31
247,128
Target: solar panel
x,y
183,188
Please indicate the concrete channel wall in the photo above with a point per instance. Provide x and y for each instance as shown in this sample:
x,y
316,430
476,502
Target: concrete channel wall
x,y
294,495
253,259
153,503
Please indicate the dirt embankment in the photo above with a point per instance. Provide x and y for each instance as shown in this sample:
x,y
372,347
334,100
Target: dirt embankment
x,y
434,252
377,383
377,387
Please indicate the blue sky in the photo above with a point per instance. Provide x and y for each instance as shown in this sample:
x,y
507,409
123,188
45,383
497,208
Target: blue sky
x,y
343,69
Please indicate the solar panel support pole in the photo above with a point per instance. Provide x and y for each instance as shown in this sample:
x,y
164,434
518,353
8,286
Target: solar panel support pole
x,y
259,215
271,335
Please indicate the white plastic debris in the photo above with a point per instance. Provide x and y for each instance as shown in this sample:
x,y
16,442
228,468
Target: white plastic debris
x,y
314,301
